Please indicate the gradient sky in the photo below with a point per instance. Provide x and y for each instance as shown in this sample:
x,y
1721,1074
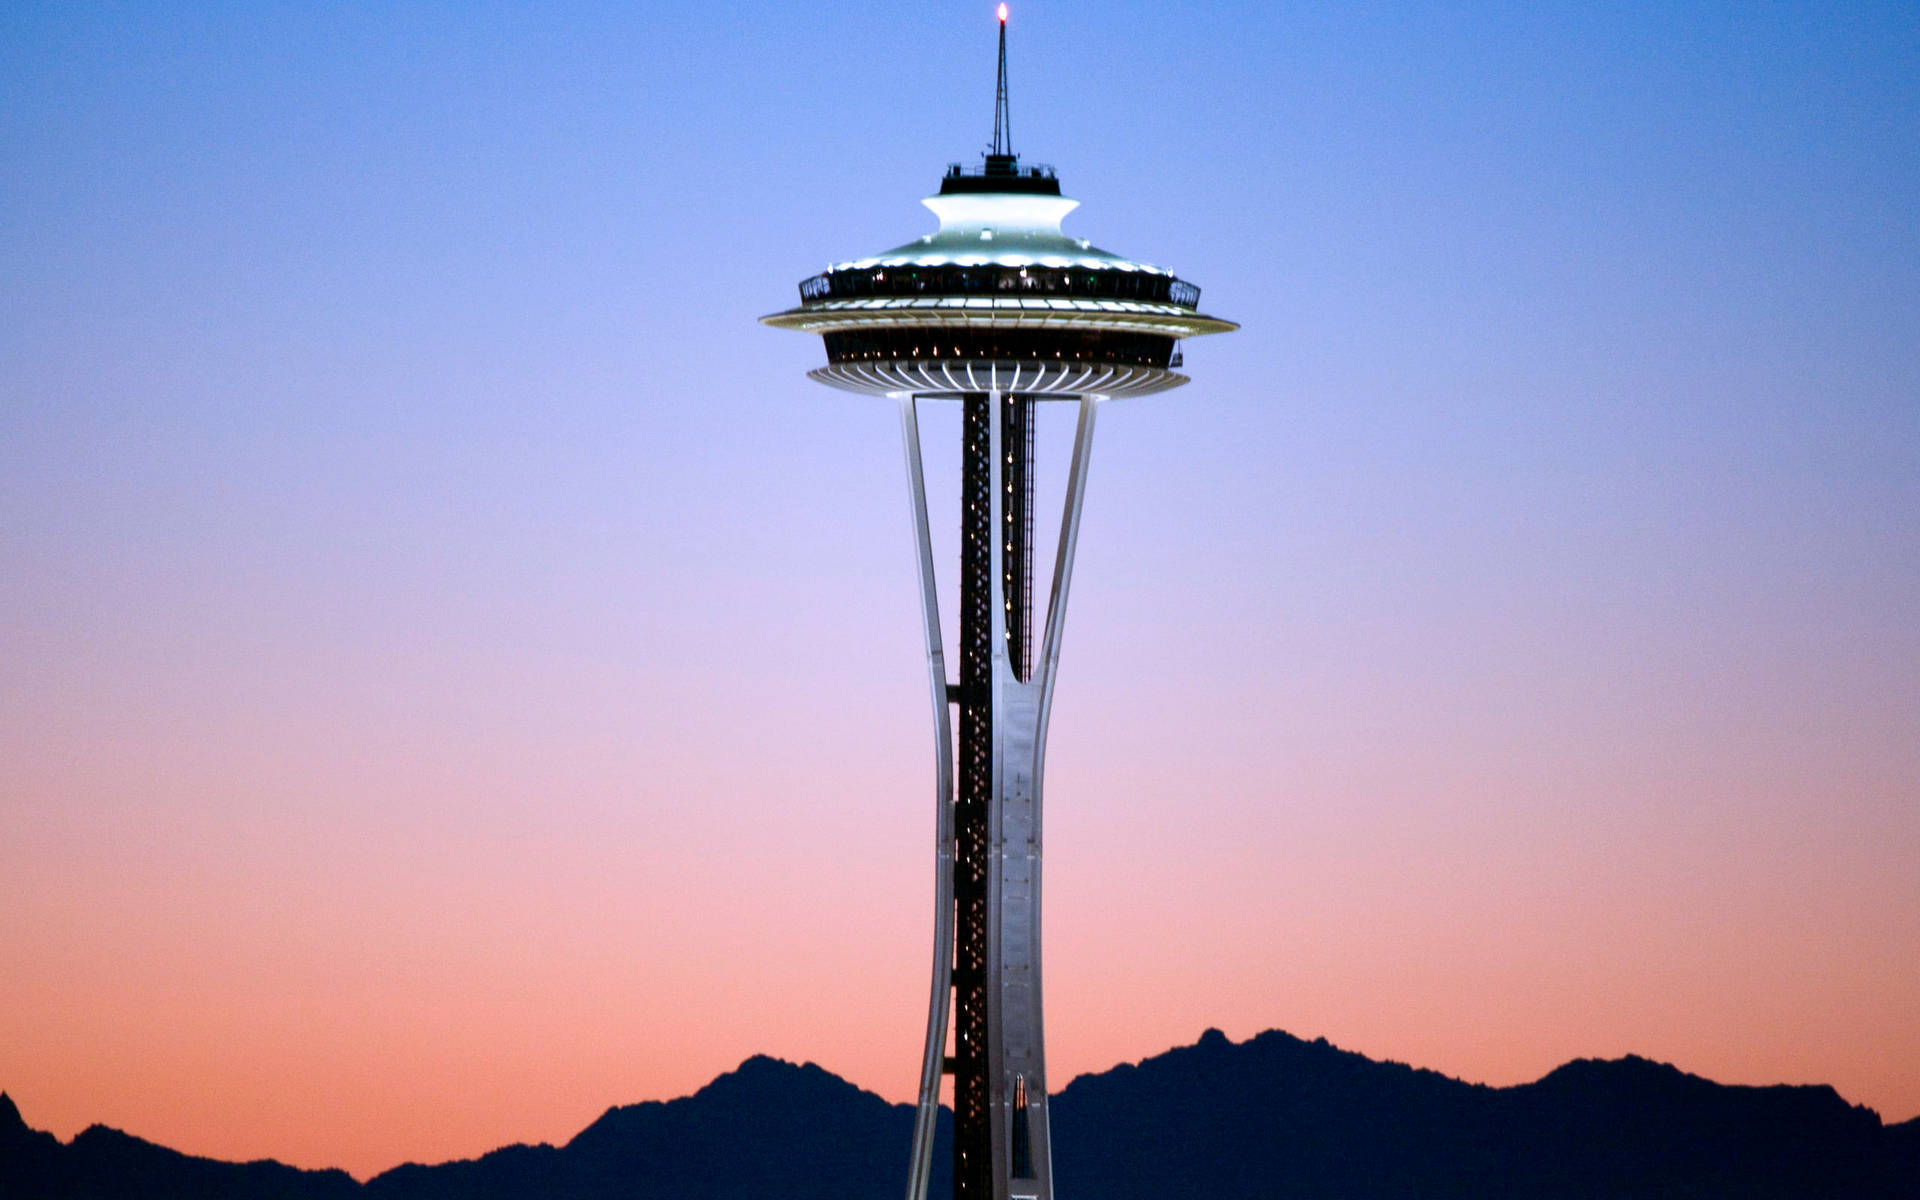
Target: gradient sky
x,y
457,674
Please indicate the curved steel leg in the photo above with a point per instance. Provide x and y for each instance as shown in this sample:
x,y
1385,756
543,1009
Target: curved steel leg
x,y
932,1063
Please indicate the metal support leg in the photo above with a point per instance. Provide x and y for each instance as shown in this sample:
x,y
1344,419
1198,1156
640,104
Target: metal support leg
x,y
932,1063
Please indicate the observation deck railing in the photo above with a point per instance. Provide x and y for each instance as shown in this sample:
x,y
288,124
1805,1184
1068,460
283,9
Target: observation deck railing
x,y
1077,282
1001,173
996,171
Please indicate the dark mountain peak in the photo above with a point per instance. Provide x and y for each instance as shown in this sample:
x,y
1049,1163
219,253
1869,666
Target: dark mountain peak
x,y
1213,1037
762,1091
17,1139
1626,1066
764,1079
767,1127
98,1134
104,1162
764,1072
28,1158
764,1064
105,1141
1644,1079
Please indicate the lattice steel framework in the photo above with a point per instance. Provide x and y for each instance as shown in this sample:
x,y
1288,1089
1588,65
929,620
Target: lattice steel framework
x,y
972,1147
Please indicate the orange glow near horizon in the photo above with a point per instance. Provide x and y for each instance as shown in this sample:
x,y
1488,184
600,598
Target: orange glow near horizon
x,y
425,944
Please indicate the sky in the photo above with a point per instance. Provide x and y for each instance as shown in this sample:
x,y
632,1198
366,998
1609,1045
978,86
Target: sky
x,y
457,674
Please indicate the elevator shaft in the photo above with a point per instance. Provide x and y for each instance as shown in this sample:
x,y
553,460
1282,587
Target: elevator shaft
x,y
996,529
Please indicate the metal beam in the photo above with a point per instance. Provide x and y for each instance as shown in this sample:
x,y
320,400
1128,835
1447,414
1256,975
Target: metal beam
x,y
940,1005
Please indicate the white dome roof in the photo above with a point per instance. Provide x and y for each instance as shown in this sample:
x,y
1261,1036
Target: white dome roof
x,y
981,229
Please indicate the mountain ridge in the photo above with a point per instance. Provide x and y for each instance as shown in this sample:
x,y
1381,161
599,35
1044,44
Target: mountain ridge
x,y
1272,1115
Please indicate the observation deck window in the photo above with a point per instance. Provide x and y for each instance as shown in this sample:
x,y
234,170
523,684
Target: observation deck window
x,y
948,280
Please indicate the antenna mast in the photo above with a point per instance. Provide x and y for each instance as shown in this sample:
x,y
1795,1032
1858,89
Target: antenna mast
x,y
1002,123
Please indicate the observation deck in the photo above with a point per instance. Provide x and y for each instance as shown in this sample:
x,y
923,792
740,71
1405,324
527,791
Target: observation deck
x,y
999,298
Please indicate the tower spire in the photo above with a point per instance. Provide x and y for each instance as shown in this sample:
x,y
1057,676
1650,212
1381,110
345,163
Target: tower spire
x,y
1002,124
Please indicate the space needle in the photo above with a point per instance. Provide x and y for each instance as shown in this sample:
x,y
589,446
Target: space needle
x,y
997,310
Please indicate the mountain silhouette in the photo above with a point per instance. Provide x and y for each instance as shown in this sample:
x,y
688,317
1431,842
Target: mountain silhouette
x,y
1273,1116
107,1164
